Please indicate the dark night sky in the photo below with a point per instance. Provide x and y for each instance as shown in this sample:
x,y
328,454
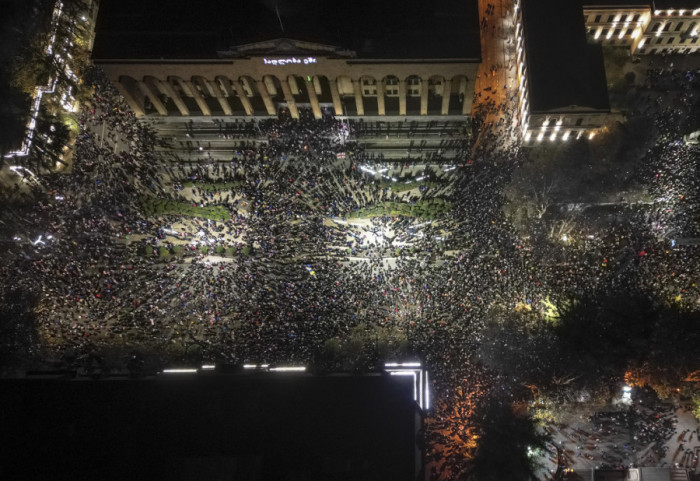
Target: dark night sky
x,y
386,29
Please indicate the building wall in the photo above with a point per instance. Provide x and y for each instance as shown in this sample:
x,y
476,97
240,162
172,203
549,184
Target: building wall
x,y
622,26
262,85
642,30
564,126
521,73
671,31
560,125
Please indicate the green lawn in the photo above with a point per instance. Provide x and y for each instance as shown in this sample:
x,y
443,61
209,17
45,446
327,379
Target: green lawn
x,y
403,186
154,206
214,187
426,209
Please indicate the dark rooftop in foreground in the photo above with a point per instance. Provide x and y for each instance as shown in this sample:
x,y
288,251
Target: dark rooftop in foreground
x,y
257,427
564,70
391,29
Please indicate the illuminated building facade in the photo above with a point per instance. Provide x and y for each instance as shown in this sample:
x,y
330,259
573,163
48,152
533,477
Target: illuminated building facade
x,y
353,64
652,27
561,76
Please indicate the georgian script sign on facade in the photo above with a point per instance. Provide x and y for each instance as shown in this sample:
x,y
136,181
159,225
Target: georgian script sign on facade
x,y
289,60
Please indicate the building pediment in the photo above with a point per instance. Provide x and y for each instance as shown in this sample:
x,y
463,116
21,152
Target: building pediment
x,y
284,46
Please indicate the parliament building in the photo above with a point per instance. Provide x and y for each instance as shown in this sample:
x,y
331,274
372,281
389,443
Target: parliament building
x,y
257,58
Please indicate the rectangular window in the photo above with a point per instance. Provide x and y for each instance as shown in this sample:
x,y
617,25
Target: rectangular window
x,y
623,18
636,18
604,32
616,33
597,19
678,27
629,31
579,122
667,27
611,18
671,39
659,40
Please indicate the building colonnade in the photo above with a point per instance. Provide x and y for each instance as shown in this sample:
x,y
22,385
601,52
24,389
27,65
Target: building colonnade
x,y
344,96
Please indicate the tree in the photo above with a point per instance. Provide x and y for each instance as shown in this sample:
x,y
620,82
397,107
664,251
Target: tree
x,y
508,444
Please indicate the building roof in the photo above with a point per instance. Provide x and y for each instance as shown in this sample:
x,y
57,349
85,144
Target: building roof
x,y
265,427
656,4
564,70
676,4
616,3
391,29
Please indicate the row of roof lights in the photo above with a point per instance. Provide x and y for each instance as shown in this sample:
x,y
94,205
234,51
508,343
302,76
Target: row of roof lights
x,y
553,136
211,367
680,12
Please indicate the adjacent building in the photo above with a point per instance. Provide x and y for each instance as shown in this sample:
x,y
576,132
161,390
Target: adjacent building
x,y
360,58
646,27
561,76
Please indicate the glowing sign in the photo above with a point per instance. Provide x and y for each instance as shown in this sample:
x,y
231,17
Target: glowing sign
x,y
289,60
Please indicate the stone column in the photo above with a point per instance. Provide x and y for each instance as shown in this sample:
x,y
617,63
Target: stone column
x,y
269,104
199,99
380,97
359,104
245,101
446,91
424,96
337,104
135,105
289,97
225,106
177,100
466,103
402,97
313,98
148,92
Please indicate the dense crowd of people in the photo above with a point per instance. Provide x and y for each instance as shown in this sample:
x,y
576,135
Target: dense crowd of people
x,y
320,243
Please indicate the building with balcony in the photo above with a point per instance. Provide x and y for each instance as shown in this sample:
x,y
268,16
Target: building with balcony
x,y
646,27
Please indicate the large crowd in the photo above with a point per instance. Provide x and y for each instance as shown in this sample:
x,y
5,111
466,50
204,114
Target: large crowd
x,y
321,243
